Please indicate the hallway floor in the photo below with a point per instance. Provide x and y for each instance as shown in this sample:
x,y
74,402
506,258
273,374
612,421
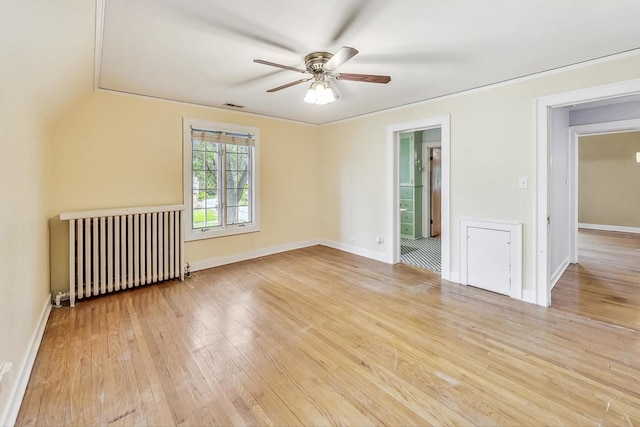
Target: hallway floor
x,y
604,284
424,252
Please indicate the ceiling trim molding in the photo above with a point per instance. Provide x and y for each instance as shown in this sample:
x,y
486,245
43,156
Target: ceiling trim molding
x,y
97,55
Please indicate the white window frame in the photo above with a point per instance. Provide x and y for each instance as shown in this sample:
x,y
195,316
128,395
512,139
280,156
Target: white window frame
x,y
222,230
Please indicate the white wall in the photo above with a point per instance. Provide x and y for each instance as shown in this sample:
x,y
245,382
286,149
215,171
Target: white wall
x,y
46,57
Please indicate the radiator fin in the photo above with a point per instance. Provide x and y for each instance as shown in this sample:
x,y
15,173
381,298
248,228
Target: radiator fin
x,y
122,251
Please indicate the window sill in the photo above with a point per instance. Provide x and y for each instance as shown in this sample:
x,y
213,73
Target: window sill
x,y
212,234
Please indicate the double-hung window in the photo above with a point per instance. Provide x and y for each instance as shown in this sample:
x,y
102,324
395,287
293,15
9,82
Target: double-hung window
x,y
220,179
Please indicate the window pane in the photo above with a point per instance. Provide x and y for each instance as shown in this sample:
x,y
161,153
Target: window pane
x,y
198,218
211,160
198,160
198,197
211,180
231,160
243,194
204,218
242,161
232,215
238,164
213,218
198,179
244,214
232,178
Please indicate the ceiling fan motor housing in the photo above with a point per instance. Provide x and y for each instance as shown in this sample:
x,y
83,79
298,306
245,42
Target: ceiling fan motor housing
x,y
315,64
315,61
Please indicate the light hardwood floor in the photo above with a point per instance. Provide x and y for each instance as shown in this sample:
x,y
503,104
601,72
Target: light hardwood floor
x,y
320,337
605,284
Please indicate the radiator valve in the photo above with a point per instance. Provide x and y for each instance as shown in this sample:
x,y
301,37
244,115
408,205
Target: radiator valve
x,y
60,296
187,271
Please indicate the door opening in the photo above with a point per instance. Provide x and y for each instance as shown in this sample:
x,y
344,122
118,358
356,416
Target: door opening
x,y
406,196
420,193
548,240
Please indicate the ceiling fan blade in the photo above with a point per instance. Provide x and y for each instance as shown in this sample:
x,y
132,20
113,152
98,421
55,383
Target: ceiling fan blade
x,y
286,67
232,23
353,14
367,78
340,57
275,89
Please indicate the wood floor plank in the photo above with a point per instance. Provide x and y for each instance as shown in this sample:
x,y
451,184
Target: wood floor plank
x,y
321,337
604,284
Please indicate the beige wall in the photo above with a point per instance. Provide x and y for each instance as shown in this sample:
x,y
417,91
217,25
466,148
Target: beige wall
x,y
492,145
116,151
46,57
608,177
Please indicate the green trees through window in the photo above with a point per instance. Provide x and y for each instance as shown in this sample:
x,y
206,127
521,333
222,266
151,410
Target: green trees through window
x,y
222,168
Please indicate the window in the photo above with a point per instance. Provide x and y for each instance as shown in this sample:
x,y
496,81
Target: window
x,y
220,185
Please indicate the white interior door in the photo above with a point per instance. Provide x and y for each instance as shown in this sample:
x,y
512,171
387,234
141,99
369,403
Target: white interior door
x,y
489,259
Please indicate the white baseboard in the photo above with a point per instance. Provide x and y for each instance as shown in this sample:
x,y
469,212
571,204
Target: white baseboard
x,y
559,272
244,256
605,227
10,413
528,295
378,256
454,277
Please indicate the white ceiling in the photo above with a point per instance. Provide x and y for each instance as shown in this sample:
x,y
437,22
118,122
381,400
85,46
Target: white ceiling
x,y
202,51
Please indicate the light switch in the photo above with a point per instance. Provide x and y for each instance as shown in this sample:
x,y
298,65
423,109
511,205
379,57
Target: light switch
x,y
523,183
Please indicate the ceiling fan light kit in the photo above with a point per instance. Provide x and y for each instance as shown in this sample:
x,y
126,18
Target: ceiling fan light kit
x,y
320,93
321,66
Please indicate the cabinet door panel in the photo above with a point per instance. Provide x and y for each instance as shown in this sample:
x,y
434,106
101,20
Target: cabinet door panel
x,y
406,217
406,192
406,204
406,229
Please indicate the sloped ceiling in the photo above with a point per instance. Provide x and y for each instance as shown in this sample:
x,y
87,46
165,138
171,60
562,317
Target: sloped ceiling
x,y
202,52
47,57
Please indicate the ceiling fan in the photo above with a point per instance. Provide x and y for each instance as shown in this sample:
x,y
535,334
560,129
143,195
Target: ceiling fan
x,y
321,67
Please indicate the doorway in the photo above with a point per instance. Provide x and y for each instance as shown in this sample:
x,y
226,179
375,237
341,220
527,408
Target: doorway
x,y
395,215
420,177
603,285
559,240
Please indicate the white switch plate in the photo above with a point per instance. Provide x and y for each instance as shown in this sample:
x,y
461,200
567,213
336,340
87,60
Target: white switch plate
x,y
523,183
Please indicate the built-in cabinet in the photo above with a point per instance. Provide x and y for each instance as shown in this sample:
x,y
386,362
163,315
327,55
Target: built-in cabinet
x,y
410,212
411,185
